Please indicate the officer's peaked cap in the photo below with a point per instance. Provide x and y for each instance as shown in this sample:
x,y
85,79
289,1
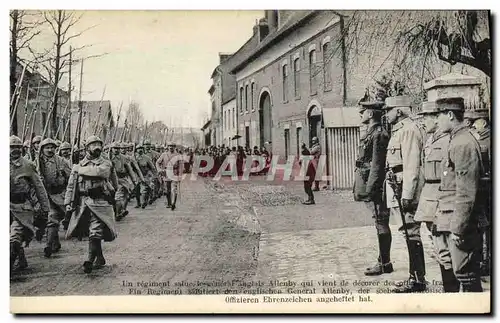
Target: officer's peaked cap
x,y
397,102
450,104
428,108
477,114
372,105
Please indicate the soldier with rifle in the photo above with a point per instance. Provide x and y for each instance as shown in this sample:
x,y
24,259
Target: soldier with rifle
x,y
34,148
65,151
126,179
90,196
169,166
153,155
54,171
435,151
127,152
149,172
462,170
404,181
24,221
369,181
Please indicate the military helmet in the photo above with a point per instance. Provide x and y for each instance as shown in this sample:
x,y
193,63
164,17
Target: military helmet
x,y
171,144
58,143
15,141
115,145
26,144
65,145
147,143
36,139
93,139
137,146
47,141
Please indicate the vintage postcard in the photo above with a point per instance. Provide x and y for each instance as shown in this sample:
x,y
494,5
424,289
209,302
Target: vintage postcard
x,y
273,161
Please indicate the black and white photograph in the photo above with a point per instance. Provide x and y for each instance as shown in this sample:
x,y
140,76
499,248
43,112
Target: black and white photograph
x,y
239,161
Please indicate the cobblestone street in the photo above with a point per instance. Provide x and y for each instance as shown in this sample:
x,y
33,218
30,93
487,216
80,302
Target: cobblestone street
x,y
225,231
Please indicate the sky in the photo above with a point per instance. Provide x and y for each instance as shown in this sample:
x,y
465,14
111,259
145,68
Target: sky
x,y
161,59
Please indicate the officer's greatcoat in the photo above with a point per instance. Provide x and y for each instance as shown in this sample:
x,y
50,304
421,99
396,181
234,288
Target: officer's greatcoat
x,y
55,172
95,181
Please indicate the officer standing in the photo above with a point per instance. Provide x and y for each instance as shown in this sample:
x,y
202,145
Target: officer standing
x,y
481,130
148,170
435,151
315,151
310,174
126,178
369,181
24,179
54,171
460,179
95,180
169,164
403,160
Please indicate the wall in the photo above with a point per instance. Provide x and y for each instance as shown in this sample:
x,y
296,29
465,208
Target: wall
x,y
230,122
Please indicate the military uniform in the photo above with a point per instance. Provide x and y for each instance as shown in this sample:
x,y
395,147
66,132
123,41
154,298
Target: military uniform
x,y
65,151
168,164
54,172
148,171
461,171
126,180
315,151
435,151
368,186
95,181
24,183
404,160
153,155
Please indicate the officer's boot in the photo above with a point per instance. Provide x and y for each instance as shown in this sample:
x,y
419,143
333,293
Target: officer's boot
x,y
169,199
384,265
450,282
416,282
174,201
99,260
93,251
14,253
144,199
47,251
137,199
22,263
485,259
316,186
118,211
53,239
473,286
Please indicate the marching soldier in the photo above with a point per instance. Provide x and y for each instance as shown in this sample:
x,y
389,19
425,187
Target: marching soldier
x,y
148,171
24,179
126,180
169,164
153,155
65,151
435,151
481,131
26,149
403,161
460,179
316,152
93,183
54,171
369,181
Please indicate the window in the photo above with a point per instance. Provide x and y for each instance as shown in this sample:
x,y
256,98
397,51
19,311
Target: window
x,y
296,76
327,67
299,140
312,71
285,82
234,118
247,136
252,95
287,142
241,99
246,98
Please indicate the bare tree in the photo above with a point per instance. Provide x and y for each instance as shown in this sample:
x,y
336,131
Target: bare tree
x,y
24,27
134,117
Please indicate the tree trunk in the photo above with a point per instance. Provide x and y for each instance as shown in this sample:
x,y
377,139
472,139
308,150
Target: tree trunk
x,y
13,64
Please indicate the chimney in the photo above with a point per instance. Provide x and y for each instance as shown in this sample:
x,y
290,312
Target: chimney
x,y
272,19
224,57
263,29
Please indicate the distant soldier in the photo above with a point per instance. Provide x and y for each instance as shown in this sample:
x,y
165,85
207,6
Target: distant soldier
x,y
149,173
126,179
65,151
310,173
54,171
481,131
315,151
369,181
94,179
435,151
170,163
24,179
460,180
404,161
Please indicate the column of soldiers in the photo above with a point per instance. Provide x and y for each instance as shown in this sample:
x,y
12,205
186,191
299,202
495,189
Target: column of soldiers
x,y
85,193
436,173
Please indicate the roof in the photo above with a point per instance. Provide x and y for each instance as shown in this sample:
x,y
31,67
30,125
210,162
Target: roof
x,y
299,17
205,126
211,89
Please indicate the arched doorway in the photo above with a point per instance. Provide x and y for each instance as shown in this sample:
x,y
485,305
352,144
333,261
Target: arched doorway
x,y
314,120
265,119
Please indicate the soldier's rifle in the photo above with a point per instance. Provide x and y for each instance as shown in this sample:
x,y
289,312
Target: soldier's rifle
x,y
113,137
64,115
17,91
45,129
396,188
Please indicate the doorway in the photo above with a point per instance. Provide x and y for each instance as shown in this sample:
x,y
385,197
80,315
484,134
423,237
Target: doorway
x,y
314,121
265,119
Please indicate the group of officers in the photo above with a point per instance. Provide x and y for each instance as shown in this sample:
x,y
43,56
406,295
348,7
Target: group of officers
x,y
433,168
85,193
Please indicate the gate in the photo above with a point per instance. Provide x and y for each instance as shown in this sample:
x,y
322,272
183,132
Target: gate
x,y
342,153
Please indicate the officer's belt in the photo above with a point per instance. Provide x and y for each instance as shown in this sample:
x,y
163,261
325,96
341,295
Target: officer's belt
x,y
432,181
18,199
397,169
